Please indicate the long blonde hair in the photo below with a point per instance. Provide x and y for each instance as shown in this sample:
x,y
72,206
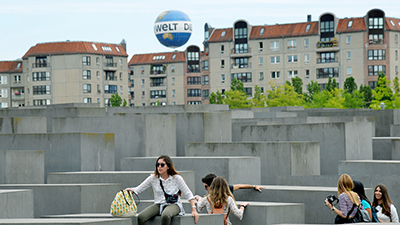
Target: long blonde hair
x,y
345,184
219,192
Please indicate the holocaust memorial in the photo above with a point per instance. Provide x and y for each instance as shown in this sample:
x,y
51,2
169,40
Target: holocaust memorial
x,y
63,164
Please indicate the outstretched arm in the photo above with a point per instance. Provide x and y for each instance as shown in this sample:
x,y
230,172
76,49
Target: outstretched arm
x,y
247,186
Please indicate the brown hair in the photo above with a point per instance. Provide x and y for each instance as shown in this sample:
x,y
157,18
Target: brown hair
x,y
219,192
345,184
171,171
385,200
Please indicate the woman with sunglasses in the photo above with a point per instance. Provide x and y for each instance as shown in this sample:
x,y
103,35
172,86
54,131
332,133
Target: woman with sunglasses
x,y
167,183
386,211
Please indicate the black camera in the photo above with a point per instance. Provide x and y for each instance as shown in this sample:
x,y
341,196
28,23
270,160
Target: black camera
x,y
171,198
331,199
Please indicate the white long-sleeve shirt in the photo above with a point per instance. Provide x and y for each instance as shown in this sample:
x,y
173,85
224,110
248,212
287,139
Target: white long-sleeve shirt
x,y
394,217
172,185
231,205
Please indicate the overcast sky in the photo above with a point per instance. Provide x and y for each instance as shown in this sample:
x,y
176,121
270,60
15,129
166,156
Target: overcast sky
x,y
24,23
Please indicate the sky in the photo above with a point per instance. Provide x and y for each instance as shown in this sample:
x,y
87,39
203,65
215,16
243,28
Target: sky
x,y
24,23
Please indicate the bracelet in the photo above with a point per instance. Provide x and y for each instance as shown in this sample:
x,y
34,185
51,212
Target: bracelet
x,y
333,208
193,206
244,206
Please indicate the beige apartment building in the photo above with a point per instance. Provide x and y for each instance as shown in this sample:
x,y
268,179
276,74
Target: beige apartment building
x,y
312,50
74,72
168,78
12,91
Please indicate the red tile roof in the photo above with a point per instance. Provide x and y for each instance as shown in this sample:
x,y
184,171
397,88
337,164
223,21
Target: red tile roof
x,y
10,66
389,25
148,58
74,47
284,30
358,25
216,35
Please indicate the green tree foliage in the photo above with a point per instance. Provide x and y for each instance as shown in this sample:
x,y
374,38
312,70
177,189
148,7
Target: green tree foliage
x,y
283,96
115,100
313,88
354,100
366,92
216,98
383,93
237,85
350,85
259,100
297,83
125,103
236,99
331,84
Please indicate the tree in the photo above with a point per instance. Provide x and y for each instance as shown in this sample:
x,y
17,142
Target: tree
x,y
382,94
115,100
216,98
259,100
366,93
313,88
237,85
236,99
283,96
350,85
331,84
297,83
353,100
125,103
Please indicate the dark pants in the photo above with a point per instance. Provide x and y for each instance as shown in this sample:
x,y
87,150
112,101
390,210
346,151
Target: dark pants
x,y
154,210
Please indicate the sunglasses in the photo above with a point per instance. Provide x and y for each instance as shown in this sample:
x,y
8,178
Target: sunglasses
x,y
160,164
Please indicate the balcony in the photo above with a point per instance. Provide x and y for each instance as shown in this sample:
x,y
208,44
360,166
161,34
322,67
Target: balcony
x,y
18,96
110,66
241,52
327,60
156,84
327,46
321,75
40,65
156,72
376,42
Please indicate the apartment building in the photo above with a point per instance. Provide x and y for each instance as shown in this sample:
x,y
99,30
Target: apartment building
x,y
12,91
74,72
167,78
312,50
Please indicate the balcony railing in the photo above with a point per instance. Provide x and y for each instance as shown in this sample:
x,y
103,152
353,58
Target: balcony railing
x,y
326,75
18,96
241,66
376,41
327,60
110,64
37,65
156,84
241,50
327,44
193,70
155,72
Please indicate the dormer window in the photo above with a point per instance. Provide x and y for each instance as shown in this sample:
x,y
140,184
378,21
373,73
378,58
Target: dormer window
x,y
106,48
391,21
223,33
19,65
350,24
262,31
94,47
117,49
173,57
308,27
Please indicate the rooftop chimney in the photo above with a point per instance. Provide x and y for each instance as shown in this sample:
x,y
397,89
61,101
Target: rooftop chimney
x,y
309,18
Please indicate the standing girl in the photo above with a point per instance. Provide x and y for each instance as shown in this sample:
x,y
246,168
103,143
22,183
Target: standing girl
x,y
167,186
386,211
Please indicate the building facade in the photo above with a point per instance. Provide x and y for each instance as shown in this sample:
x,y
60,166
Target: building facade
x,y
313,50
75,72
169,78
12,91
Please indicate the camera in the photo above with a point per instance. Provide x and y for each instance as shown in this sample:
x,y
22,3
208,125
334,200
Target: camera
x,y
331,199
171,198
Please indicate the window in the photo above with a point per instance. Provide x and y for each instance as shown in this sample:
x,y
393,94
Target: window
x,y
194,103
120,62
41,90
222,49
86,75
222,63
173,56
194,92
120,76
121,90
243,77
275,59
292,58
274,45
375,70
173,93
87,88
41,102
261,61
223,33
375,23
205,80
142,70
110,89
173,81
306,42
86,60
240,32
396,55
3,93
241,48
372,84
3,104
306,58
327,26
110,75
204,65
193,56
87,100
275,74
142,82
377,54
157,82
307,73
262,31
350,24
292,73
249,91
242,62
291,44
98,88
348,55
261,75
41,76
349,70
97,60
17,79
396,70
206,94
260,46
106,48
327,72
327,57
173,68
193,80
396,38
348,39
308,28
222,78
98,75
3,79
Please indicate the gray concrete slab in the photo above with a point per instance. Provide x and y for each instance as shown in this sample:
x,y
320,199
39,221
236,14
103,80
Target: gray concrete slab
x,y
371,167
62,221
277,158
53,199
338,141
16,204
19,167
125,178
67,151
236,170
